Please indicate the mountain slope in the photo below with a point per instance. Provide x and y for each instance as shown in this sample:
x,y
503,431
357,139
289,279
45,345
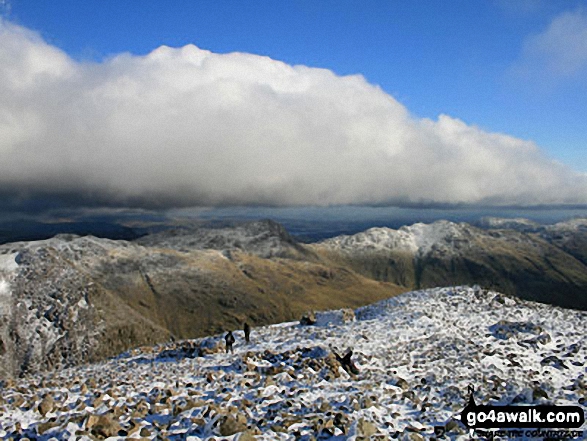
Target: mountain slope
x,y
70,300
264,238
416,355
548,265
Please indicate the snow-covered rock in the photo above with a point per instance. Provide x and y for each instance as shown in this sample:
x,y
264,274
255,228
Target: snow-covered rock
x,y
264,238
416,353
418,238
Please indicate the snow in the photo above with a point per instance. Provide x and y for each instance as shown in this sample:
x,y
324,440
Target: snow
x,y
416,353
8,267
417,238
8,262
570,225
508,223
4,287
427,235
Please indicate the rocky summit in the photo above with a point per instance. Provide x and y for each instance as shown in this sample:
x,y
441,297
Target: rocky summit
x,y
415,357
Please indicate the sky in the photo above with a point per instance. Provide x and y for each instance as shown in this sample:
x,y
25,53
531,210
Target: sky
x,y
162,105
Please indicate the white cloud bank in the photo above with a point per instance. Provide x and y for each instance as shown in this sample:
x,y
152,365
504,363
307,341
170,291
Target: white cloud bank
x,y
181,127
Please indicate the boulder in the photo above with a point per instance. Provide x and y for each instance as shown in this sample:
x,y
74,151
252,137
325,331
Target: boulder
x,y
47,405
308,319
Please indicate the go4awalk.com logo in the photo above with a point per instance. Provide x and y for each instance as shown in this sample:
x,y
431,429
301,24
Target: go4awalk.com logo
x,y
521,417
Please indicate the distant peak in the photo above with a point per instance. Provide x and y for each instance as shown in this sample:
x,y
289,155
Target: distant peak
x,y
416,238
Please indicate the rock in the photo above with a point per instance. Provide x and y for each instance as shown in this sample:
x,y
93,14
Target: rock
x,y
201,422
553,361
133,427
412,436
367,402
400,382
542,339
411,395
246,436
141,409
47,405
325,406
98,400
103,426
348,315
341,421
365,428
308,319
334,317
454,427
524,397
539,393
231,425
46,426
504,329
499,299
278,428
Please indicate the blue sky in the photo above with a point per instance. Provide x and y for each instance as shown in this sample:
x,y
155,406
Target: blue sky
x,y
516,68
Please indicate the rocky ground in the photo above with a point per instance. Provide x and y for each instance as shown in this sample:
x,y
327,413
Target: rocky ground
x,y
416,354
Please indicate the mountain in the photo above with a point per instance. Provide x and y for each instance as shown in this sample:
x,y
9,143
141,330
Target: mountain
x,y
518,224
547,265
264,238
28,230
570,236
416,356
70,300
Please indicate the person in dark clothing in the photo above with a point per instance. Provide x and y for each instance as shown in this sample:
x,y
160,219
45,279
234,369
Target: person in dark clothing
x,y
247,330
346,363
229,339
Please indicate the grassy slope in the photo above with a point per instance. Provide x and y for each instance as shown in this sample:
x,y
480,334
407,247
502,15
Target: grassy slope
x,y
205,292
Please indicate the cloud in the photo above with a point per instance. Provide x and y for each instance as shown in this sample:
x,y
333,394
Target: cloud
x,y
559,52
187,127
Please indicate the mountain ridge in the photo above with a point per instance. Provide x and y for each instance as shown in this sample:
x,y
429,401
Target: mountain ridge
x,y
549,265
71,299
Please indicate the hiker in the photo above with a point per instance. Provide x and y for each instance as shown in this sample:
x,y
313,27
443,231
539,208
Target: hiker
x,y
247,330
229,338
346,362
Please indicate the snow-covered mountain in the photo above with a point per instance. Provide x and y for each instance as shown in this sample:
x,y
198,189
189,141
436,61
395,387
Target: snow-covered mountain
x,y
548,265
518,223
263,238
418,239
416,355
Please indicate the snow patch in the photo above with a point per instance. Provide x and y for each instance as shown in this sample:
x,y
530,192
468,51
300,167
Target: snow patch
x,y
4,287
8,262
336,317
